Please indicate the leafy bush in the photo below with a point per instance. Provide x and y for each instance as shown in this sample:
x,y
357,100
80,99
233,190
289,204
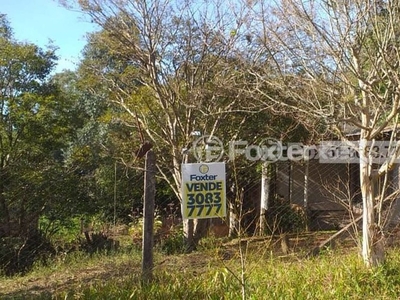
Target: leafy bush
x,y
173,242
136,229
61,232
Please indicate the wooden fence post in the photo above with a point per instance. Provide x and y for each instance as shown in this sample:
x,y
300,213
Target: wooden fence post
x,y
148,216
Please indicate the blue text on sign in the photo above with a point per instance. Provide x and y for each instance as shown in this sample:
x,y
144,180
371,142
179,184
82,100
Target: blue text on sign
x,y
202,177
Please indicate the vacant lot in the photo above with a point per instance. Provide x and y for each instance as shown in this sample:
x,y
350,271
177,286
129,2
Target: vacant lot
x,y
254,268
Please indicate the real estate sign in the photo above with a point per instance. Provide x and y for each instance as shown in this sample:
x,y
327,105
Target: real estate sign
x,y
203,190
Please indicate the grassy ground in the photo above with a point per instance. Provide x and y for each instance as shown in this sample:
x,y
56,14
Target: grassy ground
x,y
214,272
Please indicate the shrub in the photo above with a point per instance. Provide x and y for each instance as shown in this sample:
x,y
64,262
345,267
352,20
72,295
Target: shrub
x,y
173,242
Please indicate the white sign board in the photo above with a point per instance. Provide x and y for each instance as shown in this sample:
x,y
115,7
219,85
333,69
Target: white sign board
x,y
203,190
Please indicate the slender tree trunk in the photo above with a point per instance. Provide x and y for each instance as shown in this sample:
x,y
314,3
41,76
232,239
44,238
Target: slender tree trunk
x,y
233,220
265,193
4,213
394,213
4,216
372,248
306,192
188,230
233,212
201,227
194,230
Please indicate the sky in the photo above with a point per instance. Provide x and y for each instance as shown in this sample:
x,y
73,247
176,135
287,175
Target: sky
x,y
39,21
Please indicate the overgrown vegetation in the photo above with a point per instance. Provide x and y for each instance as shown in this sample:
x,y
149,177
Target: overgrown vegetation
x,y
210,274
254,70
18,254
284,217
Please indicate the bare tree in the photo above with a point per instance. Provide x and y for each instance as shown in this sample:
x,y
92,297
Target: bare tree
x,y
179,73
338,62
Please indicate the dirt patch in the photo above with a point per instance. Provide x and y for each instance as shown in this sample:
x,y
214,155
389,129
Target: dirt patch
x,y
62,280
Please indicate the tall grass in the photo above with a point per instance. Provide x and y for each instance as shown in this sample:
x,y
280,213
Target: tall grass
x,y
330,276
207,275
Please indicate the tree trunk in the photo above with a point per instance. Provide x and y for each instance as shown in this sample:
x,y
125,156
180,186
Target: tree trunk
x,y
201,227
265,194
306,190
393,215
372,247
188,230
234,211
4,213
194,230
233,219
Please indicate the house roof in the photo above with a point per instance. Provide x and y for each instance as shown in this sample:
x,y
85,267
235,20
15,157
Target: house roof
x,y
355,131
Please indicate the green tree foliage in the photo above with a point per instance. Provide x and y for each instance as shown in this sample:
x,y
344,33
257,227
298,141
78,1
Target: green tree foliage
x,y
34,130
109,131
96,151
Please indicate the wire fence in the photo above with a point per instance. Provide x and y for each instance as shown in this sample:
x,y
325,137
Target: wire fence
x,y
302,196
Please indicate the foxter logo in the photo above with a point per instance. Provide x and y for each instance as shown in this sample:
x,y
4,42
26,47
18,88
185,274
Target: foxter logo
x,y
202,177
204,169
